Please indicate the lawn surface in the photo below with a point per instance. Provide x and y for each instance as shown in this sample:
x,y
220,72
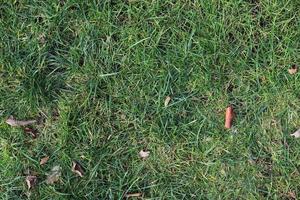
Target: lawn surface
x,y
97,73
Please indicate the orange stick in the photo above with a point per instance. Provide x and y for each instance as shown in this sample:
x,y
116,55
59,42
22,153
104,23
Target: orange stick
x,y
229,117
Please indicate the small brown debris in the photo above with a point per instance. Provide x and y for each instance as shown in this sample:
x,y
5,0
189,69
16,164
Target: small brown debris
x,y
167,101
144,154
131,195
296,134
44,160
291,195
54,175
42,39
229,117
31,181
293,69
31,131
77,168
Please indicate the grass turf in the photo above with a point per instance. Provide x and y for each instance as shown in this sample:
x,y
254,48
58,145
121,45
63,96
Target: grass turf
x,y
99,72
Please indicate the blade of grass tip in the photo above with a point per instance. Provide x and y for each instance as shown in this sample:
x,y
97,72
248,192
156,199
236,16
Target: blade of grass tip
x,y
142,40
110,74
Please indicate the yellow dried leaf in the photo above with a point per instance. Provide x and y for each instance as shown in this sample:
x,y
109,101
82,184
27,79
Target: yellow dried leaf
x,y
167,101
44,160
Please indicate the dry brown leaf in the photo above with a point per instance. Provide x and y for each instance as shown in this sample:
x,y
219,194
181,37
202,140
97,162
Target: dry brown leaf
x,y
144,154
167,101
13,122
229,117
291,195
31,131
54,175
293,69
296,134
31,181
77,168
44,160
129,195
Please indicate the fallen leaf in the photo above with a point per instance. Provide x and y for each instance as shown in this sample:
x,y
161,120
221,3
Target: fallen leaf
x,y
129,195
44,160
31,181
42,38
167,101
291,195
144,154
229,117
31,131
13,122
293,69
296,134
76,168
54,175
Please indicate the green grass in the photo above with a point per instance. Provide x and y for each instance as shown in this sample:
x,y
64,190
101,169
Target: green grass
x,y
99,72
